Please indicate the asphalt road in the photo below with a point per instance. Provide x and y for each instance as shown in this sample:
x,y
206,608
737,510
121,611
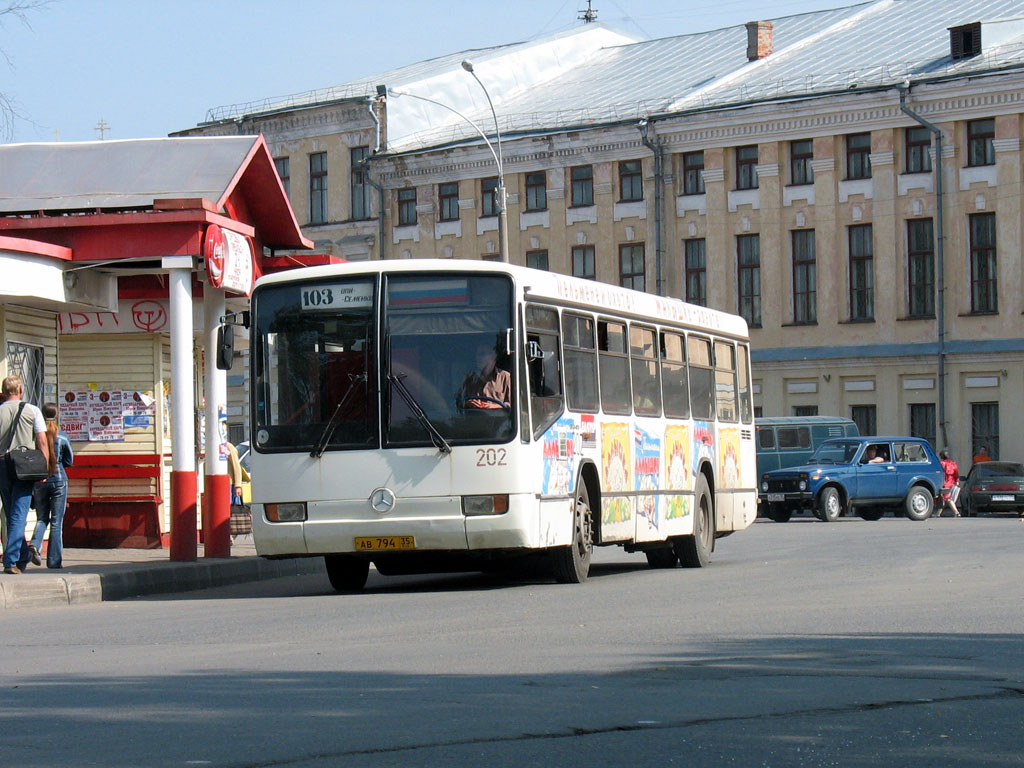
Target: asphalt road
x,y
803,644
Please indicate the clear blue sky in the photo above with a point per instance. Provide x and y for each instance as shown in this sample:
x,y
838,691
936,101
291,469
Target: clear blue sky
x,y
149,67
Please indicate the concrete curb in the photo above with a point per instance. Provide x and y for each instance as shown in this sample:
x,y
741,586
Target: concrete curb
x,y
141,579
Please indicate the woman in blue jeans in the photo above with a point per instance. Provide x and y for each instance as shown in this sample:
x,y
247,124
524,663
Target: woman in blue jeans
x,y
51,495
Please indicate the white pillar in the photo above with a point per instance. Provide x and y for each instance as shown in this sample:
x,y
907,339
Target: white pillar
x,y
216,388
183,404
183,459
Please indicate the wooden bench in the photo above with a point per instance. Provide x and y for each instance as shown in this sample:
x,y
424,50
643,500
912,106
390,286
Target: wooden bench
x,y
114,500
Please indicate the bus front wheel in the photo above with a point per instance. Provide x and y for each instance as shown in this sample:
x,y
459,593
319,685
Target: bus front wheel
x,y
695,551
571,564
347,573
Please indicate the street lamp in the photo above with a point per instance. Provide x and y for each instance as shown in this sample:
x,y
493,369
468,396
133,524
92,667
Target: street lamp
x,y
499,193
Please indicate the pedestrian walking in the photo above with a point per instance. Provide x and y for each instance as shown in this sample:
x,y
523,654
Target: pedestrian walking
x,y
950,484
21,426
51,495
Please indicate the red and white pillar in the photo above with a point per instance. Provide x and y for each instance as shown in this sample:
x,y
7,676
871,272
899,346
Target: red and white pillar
x,y
217,511
183,460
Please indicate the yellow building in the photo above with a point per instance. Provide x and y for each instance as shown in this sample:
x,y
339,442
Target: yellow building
x,y
788,171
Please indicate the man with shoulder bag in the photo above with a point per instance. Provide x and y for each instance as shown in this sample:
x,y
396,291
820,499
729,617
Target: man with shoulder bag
x,y
25,452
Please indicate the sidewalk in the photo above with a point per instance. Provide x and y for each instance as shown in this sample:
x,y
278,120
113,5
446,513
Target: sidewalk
x,y
95,575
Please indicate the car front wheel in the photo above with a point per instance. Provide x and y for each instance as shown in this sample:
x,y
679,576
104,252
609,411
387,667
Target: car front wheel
x,y
919,503
830,506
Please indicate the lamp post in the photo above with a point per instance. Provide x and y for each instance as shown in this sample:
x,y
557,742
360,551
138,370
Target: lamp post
x,y
499,193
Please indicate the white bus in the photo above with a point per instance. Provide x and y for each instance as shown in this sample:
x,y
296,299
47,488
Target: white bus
x,y
431,415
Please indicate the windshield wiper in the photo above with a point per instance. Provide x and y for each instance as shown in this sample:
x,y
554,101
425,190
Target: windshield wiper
x,y
410,400
332,423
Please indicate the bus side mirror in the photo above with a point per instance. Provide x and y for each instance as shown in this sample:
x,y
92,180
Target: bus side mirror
x,y
225,347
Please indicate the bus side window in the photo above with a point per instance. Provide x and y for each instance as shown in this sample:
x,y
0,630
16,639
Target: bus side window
x,y
643,355
614,367
725,380
545,372
746,405
580,362
673,375
765,437
702,378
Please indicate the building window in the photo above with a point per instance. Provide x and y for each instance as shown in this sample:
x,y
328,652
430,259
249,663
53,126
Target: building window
x,y
858,156
406,207
862,273
805,410
536,191
748,252
922,421
537,259
631,181
865,417
582,177
27,361
980,150
631,266
919,144
693,173
985,429
489,197
696,272
583,262
746,167
318,188
984,289
920,268
360,186
800,155
284,170
448,200
805,278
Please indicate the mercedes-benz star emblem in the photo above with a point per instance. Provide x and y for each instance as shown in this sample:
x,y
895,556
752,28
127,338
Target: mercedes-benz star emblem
x,y
382,500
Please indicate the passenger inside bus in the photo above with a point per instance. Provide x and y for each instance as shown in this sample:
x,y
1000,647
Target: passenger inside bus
x,y
487,386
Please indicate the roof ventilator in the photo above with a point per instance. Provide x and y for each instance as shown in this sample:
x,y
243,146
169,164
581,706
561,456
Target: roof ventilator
x,y
965,40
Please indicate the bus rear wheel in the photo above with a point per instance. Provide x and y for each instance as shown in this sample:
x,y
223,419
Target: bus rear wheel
x,y
571,564
346,573
695,551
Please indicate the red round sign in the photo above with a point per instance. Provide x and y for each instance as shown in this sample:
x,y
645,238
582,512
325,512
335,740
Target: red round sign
x,y
215,248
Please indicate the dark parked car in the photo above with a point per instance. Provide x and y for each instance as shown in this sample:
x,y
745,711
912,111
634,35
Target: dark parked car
x,y
992,487
868,474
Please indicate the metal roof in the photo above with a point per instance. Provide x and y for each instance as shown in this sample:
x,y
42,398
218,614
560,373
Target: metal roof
x,y
118,175
858,47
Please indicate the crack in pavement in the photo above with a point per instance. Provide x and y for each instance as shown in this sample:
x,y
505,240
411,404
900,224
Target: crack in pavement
x,y
575,732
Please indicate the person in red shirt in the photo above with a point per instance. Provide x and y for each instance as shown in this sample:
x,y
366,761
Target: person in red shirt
x,y
950,485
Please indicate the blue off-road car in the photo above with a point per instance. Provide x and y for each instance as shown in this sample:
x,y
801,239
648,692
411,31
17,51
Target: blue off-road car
x,y
868,475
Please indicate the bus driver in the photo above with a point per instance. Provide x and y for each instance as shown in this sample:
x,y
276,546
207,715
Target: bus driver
x,y
488,386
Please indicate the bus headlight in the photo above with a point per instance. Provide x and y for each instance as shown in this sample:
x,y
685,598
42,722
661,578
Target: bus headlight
x,y
292,512
474,506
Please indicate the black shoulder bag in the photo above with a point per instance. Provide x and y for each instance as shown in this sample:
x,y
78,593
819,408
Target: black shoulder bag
x,y
25,464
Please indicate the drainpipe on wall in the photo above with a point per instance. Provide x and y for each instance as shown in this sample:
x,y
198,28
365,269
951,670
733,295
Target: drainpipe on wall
x,y
659,184
939,252
380,190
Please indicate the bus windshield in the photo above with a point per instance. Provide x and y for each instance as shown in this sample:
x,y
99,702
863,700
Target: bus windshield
x,y
449,352
438,371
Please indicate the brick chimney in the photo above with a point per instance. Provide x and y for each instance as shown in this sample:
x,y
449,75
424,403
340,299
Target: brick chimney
x,y
759,39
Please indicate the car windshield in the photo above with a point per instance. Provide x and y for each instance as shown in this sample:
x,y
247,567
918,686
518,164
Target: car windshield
x,y
998,469
835,452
